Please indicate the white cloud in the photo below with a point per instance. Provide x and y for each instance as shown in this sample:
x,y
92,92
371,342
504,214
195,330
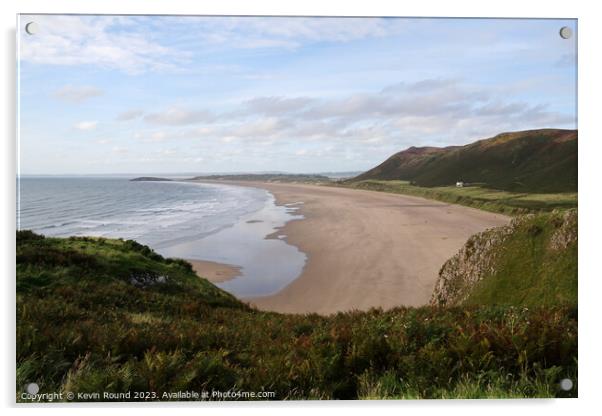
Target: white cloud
x,y
120,150
276,105
292,32
95,40
358,126
155,136
129,115
77,94
129,44
175,133
86,125
262,127
168,152
178,116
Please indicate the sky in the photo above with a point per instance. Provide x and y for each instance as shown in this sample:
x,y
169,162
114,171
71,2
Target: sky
x,y
174,94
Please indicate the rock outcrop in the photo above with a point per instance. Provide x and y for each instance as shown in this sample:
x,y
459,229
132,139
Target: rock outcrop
x,y
566,231
478,258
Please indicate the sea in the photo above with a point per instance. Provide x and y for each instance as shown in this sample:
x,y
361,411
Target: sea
x,y
228,224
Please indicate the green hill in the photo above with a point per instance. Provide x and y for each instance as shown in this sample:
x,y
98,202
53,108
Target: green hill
x,y
536,161
100,315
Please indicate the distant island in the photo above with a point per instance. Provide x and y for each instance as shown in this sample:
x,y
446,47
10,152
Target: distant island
x,y
149,179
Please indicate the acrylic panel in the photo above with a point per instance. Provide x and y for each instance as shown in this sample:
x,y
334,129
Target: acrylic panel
x,y
295,208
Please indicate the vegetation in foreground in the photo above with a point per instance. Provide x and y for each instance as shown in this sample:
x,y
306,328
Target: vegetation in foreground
x,y
99,315
503,202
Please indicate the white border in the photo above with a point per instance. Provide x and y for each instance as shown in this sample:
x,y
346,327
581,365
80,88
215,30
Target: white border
x,y
590,152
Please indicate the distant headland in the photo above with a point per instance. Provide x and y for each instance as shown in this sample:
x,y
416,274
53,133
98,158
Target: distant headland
x,y
149,179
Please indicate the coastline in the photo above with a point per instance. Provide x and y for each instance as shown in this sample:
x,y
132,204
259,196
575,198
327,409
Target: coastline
x,y
366,249
239,258
213,271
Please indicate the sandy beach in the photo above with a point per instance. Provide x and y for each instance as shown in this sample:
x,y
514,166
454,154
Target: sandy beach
x,y
214,272
367,249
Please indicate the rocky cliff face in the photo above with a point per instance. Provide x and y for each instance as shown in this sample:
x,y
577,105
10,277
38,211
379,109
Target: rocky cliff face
x,y
566,231
478,259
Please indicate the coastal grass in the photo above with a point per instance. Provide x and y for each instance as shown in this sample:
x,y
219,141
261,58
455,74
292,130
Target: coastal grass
x,y
488,386
493,200
536,265
100,315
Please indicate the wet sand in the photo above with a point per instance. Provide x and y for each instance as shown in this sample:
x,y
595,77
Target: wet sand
x,y
368,249
214,272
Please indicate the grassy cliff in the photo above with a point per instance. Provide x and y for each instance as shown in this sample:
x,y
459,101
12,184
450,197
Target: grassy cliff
x,y
100,315
532,262
533,161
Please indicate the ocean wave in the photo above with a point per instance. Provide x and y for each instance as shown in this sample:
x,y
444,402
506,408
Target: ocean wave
x,y
152,214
